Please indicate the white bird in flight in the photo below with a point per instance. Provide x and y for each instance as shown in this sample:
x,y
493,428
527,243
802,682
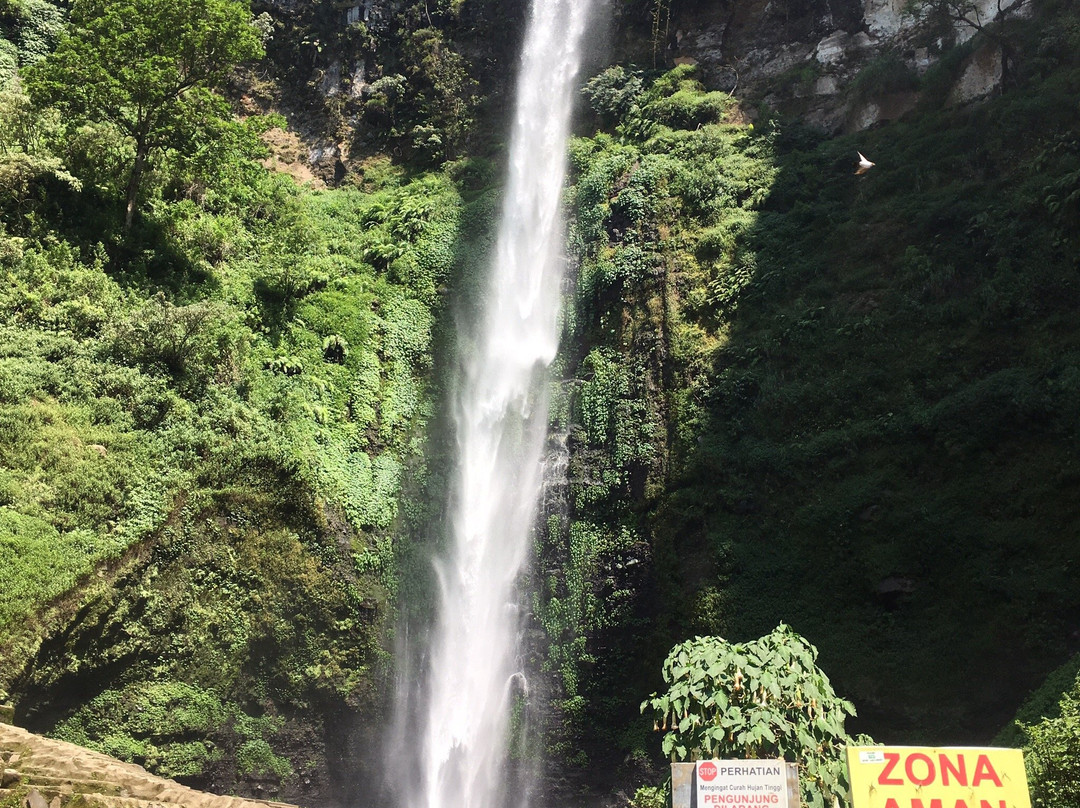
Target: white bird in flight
x,y
864,164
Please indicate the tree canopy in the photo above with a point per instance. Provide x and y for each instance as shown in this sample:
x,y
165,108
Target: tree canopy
x,y
147,67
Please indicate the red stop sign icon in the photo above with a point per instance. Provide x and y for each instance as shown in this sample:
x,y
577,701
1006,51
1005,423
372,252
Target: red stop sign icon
x,y
707,771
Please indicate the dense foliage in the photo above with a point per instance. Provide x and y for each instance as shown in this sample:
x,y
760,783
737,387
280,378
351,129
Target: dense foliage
x,y
1052,749
147,67
839,401
134,416
208,426
765,698
683,166
790,393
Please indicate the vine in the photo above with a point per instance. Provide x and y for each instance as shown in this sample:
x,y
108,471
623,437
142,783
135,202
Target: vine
x,y
661,20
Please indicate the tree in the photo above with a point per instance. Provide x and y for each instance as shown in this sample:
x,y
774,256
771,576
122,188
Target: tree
x,y
148,67
445,94
760,699
991,20
972,14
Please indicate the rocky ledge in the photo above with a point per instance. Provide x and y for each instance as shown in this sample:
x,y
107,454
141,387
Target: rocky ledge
x,y
38,772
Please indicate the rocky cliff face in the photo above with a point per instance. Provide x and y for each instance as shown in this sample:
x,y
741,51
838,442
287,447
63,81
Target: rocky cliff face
x,y
342,77
362,78
836,64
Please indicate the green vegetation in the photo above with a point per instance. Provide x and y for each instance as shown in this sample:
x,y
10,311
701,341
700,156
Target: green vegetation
x,y
1052,748
169,727
216,462
205,656
430,105
842,402
1046,727
761,699
121,400
210,421
306,353
29,32
792,394
681,178
146,67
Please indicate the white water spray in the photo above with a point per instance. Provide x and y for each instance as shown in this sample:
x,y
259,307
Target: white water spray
x,y
501,419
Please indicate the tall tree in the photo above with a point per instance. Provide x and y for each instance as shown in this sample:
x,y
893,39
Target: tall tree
x,y
149,67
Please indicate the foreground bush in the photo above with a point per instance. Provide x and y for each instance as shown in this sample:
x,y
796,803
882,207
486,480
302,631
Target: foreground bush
x,y
765,698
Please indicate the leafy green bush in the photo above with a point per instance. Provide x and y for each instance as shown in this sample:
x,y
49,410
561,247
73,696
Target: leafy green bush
x,y
9,60
1052,753
677,99
256,757
196,343
40,27
689,107
151,724
614,92
651,797
175,729
763,698
30,549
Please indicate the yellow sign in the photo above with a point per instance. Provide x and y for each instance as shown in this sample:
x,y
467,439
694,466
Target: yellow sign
x,y
924,777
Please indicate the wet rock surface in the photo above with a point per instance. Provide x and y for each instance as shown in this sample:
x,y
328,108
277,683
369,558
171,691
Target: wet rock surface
x,y
39,772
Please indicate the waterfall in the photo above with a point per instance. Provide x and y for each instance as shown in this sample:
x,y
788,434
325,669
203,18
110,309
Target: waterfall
x,y
500,416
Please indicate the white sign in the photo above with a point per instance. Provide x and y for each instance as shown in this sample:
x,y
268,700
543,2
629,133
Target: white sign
x,y
742,784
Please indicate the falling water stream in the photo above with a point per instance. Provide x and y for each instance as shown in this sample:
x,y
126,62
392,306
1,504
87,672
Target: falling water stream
x,y
500,419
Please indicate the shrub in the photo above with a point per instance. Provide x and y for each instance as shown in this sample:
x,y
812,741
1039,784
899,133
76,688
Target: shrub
x,y
256,757
153,723
614,92
40,26
689,107
1052,753
9,60
651,797
764,698
193,343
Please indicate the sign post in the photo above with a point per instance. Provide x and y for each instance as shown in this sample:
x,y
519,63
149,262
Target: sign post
x,y
929,777
735,784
